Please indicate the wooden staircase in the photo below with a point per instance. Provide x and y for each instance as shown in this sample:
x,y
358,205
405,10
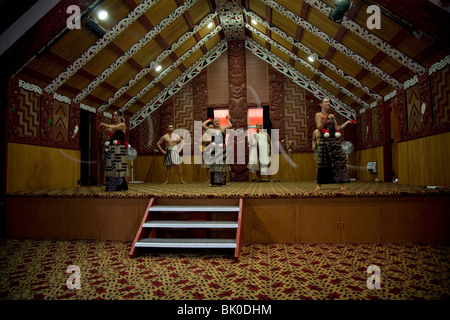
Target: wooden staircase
x,y
195,222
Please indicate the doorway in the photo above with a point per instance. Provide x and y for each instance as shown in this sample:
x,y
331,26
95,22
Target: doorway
x,y
85,147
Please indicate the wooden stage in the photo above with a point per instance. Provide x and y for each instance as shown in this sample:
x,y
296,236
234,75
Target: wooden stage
x,y
277,212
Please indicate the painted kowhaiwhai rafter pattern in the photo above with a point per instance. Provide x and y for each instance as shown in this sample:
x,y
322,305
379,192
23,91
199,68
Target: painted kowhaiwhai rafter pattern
x,y
176,85
368,36
171,67
299,78
306,65
313,54
335,44
93,50
134,49
157,61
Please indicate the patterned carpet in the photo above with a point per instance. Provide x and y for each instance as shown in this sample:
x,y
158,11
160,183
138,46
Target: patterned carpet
x,y
245,190
36,270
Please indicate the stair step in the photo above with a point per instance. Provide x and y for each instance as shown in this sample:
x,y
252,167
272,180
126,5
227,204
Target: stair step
x,y
190,224
194,209
186,243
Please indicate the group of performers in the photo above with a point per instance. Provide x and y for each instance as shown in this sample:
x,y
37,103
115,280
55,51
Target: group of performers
x,y
328,153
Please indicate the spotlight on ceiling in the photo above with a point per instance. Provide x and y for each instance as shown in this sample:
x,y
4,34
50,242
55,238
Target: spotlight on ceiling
x,y
254,22
158,68
210,25
341,8
93,27
102,15
310,58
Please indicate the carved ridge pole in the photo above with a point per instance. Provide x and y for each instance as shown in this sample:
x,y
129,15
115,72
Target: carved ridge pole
x,y
238,100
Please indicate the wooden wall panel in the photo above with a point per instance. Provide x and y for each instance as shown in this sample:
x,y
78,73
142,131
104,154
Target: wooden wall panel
x,y
218,81
257,80
34,167
425,161
365,156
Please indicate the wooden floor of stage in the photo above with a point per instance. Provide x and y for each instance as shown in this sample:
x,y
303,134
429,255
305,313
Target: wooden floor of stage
x,y
237,190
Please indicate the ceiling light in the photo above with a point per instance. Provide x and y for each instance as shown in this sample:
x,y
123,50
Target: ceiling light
x,y
310,58
102,15
254,22
158,68
210,25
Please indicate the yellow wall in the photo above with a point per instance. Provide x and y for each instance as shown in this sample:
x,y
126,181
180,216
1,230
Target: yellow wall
x,y
425,161
34,167
368,155
305,169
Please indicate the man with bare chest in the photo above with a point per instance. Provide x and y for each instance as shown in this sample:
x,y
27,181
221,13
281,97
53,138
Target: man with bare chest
x,y
173,144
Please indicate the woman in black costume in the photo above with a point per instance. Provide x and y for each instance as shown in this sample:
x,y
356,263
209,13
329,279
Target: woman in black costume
x,y
332,161
116,164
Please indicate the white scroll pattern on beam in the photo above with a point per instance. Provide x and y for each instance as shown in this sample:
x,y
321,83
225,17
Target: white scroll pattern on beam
x,y
307,65
231,18
335,44
157,61
371,38
134,49
313,54
178,84
171,67
299,78
109,36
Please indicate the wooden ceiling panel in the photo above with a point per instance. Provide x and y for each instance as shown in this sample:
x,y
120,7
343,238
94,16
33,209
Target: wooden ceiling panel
x,y
293,6
212,42
47,66
100,62
200,10
343,62
314,43
172,76
356,44
188,44
138,86
327,86
150,94
321,21
282,23
78,81
193,58
160,10
303,70
73,44
148,53
281,41
257,7
133,34
175,30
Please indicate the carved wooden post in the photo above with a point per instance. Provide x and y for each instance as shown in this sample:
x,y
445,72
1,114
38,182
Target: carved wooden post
x,y
238,100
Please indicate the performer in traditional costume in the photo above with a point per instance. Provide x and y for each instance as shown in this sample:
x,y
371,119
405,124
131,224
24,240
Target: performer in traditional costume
x,y
116,164
173,144
332,161
259,158
216,153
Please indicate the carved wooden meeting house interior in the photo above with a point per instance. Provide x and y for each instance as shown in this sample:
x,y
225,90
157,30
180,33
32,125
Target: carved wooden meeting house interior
x,y
384,64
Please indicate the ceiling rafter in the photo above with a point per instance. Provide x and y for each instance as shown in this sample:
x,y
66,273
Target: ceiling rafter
x,y
171,67
109,36
134,49
177,84
335,44
298,77
231,19
309,52
156,61
371,38
306,65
